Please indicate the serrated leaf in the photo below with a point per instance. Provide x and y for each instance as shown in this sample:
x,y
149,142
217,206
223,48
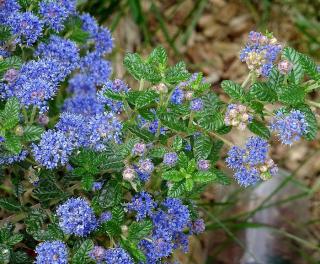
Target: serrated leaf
x,y
10,114
13,143
20,257
14,239
87,181
263,92
109,196
12,62
10,204
259,129
5,33
202,147
177,189
297,72
275,79
173,175
292,95
145,98
222,178
158,57
81,255
5,254
189,185
140,132
134,64
215,151
32,133
173,122
177,73
112,228
211,102
204,176
183,160
139,230
177,143
133,250
118,214
309,67
78,35
234,90
211,122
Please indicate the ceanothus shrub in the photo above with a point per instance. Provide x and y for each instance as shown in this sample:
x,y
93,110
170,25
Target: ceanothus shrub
x,y
95,171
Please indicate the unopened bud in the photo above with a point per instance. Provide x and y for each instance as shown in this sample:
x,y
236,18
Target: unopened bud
x,y
161,88
11,75
43,120
285,67
19,131
129,174
189,95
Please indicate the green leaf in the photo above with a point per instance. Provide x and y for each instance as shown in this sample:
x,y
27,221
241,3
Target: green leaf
x,y
134,65
10,204
177,143
81,255
297,72
112,228
211,122
259,129
12,62
275,79
309,66
222,178
215,151
177,189
109,196
140,132
14,239
173,175
263,92
13,144
158,152
10,114
87,181
177,73
5,254
139,230
183,160
292,95
158,57
34,222
20,257
32,133
211,102
202,147
78,35
189,185
118,214
192,165
133,250
5,33
145,98
234,90
204,176
173,121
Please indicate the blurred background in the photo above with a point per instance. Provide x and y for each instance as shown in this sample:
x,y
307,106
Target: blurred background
x,y
277,221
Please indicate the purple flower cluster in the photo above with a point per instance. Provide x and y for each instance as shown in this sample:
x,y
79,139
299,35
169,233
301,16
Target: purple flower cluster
x,y
76,217
53,252
289,127
142,204
252,163
203,165
260,53
111,256
144,169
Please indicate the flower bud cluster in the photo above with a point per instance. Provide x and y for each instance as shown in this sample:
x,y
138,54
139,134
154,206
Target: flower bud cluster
x,y
238,116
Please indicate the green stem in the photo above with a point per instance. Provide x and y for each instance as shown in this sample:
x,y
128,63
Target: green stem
x,y
246,81
191,119
141,85
33,114
25,114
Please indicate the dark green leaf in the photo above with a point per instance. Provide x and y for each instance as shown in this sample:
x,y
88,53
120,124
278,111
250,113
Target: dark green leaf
x,y
177,73
263,92
259,129
10,204
234,90
292,94
81,255
139,230
297,72
32,133
176,189
202,147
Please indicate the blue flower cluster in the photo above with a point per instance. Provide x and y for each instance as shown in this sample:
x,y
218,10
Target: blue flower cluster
x,y
289,127
260,53
10,159
76,217
169,222
170,158
252,163
142,204
111,256
53,252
